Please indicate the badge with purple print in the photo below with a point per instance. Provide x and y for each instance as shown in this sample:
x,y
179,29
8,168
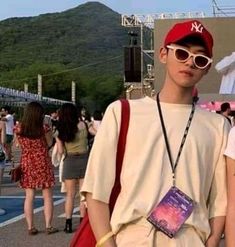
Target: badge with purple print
x,y
172,211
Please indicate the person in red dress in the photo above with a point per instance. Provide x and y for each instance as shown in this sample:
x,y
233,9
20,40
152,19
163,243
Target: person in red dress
x,y
37,171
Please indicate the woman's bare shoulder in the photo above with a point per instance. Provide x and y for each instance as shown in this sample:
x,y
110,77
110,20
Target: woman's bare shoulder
x,y
81,125
2,124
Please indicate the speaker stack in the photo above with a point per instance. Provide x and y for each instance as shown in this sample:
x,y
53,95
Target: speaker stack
x,y
132,63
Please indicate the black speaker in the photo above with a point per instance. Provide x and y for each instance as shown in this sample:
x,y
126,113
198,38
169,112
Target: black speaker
x,y
132,63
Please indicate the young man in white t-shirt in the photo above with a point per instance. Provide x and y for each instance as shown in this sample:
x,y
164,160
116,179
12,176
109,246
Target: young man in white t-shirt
x,y
150,166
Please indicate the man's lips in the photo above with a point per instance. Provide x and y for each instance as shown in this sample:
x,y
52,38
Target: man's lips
x,y
186,72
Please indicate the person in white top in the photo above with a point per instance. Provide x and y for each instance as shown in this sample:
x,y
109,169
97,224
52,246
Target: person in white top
x,y
230,218
9,131
2,142
150,166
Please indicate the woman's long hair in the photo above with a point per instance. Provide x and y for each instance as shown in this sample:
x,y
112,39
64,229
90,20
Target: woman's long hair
x,y
32,121
68,121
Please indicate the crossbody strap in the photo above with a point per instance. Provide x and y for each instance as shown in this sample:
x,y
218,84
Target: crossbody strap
x,y
125,117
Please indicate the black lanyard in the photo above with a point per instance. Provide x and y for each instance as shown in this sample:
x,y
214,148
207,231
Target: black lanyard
x,y
173,166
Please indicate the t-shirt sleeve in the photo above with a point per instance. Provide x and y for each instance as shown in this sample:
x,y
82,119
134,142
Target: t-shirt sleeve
x,y
218,194
101,168
230,148
8,117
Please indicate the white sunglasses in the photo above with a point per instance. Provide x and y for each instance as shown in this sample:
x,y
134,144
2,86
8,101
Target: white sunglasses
x,y
182,55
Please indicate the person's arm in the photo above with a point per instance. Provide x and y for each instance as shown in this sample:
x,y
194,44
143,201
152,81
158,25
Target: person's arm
x,y
217,200
92,130
230,217
217,228
49,138
3,132
99,217
60,146
4,119
98,188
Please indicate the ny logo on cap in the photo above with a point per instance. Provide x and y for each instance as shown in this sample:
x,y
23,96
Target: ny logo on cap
x,y
197,27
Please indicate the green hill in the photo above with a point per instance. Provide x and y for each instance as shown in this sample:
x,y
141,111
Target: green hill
x,y
83,44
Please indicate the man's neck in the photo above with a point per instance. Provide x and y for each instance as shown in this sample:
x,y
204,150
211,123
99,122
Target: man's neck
x,y
175,97
173,93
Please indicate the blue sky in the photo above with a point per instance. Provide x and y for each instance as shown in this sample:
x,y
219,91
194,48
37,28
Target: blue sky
x,y
20,8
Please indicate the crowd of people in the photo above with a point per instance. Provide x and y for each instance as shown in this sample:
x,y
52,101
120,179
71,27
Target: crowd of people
x,y
37,134
174,150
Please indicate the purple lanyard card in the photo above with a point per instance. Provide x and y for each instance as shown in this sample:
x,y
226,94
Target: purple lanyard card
x,y
173,210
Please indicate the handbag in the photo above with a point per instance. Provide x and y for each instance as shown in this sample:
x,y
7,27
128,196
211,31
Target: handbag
x,y
55,157
84,236
15,174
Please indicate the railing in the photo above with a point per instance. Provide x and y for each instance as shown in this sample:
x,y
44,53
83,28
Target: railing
x,y
17,97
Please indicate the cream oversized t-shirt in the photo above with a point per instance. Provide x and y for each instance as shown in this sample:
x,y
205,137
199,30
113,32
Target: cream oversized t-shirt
x,y
146,172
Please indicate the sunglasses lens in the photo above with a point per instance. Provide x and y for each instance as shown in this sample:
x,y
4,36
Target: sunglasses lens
x,y
201,61
181,55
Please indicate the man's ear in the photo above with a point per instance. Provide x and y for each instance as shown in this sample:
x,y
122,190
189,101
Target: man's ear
x,y
163,55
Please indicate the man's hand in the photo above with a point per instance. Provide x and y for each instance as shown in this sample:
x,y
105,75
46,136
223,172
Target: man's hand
x,y
217,228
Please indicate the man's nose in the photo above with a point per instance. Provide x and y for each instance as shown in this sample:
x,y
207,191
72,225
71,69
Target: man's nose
x,y
190,62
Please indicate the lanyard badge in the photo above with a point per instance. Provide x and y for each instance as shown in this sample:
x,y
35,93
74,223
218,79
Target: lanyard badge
x,y
173,166
173,210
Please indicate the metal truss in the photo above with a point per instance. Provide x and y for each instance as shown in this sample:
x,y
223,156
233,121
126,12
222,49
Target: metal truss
x,y
137,20
223,11
15,97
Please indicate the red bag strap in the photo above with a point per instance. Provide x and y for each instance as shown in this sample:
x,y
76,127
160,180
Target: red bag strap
x,y
125,117
84,236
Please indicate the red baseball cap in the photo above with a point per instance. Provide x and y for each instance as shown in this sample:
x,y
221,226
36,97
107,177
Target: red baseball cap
x,y
190,28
